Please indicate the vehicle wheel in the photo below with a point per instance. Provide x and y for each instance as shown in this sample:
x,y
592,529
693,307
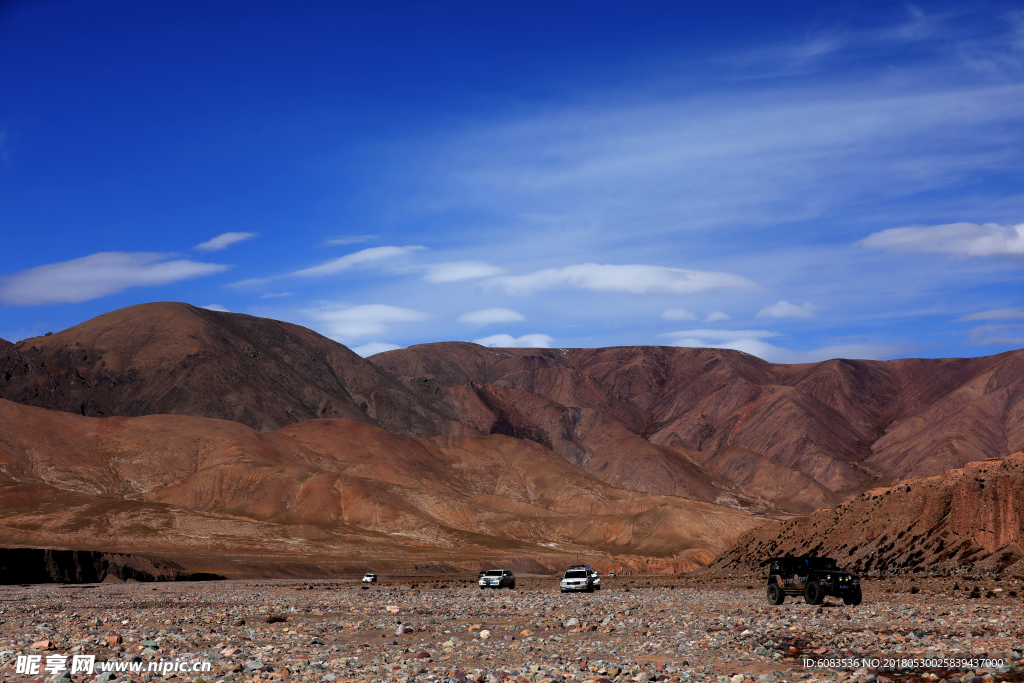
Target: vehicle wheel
x,y
776,595
856,597
482,587
512,585
813,594
597,588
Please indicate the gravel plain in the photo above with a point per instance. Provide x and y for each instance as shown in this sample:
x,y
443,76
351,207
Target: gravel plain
x,y
672,629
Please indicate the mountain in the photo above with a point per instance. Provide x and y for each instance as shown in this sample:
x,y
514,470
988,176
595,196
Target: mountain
x,y
658,453
971,518
175,485
172,358
4,344
668,420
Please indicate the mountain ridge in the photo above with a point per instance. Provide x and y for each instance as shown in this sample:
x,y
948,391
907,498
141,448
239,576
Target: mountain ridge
x,y
170,358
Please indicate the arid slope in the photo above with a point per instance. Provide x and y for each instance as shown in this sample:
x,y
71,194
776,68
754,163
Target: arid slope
x,y
319,487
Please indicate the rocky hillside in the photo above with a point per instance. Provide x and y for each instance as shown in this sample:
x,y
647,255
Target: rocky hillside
x,y
968,519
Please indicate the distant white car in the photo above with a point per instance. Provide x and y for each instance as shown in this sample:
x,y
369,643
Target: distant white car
x,y
611,574
369,578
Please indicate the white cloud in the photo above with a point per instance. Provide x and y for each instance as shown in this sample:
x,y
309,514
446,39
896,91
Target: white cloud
x,y
96,276
489,316
354,239
997,334
678,314
958,239
721,335
635,279
225,240
507,341
351,322
366,257
216,307
251,283
752,342
367,350
460,270
277,295
784,309
715,316
994,314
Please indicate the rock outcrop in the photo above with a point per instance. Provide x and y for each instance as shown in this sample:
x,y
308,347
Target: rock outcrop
x,y
969,519
46,565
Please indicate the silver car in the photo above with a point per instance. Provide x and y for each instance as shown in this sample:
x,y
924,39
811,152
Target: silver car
x,y
579,579
497,578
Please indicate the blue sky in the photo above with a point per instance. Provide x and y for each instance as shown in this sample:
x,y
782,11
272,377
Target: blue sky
x,y
801,183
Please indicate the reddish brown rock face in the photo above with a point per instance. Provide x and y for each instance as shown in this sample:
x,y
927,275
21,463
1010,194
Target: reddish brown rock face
x,y
970,518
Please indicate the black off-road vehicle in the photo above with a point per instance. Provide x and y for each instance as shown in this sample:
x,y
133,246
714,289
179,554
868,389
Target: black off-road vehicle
x,y
811,577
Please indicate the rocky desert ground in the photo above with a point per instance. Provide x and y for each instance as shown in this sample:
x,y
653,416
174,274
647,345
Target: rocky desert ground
x,y
638,628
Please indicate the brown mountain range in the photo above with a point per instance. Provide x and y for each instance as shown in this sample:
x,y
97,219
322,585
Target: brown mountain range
x,y
652,432
970,518
344,488
679,420
171,358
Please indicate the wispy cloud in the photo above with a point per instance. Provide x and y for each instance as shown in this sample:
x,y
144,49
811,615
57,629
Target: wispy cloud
x,y
784,309
677,314
507,341
374,256
994,314
367,350
98,275
224,241
996,334
756,158
752,342
957,239
277,295
216,307
720,335
824,46
716,316
351,239
635,279
250,283
343,323
454,271
489,316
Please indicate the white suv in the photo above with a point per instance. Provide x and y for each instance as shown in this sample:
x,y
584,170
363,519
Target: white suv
x,y
369,578
580,578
